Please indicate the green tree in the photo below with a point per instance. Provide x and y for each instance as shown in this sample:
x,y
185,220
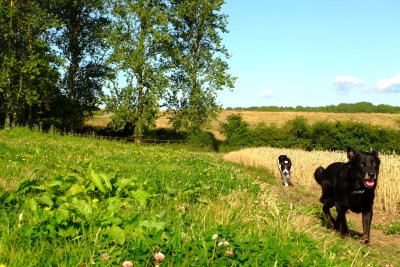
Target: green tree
x,y
238,132
81,45
198,59
137,38
26,72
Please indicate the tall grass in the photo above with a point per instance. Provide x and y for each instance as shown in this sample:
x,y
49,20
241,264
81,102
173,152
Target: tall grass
x,y
84,198
305,163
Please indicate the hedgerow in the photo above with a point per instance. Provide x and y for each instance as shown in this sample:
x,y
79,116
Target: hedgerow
x,y
298,133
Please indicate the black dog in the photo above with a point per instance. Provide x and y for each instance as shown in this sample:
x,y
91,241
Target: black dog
x,y
351,186
285,168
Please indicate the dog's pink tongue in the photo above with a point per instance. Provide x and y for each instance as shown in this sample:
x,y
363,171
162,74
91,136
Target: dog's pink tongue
x,y
370,183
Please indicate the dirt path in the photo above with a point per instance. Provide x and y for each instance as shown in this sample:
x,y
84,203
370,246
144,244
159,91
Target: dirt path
x,y
379,239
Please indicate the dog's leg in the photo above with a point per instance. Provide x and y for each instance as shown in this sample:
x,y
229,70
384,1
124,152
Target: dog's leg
x,y
326,209
366,219
284,181
341,222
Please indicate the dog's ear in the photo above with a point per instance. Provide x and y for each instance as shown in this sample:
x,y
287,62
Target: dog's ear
x,y
351,153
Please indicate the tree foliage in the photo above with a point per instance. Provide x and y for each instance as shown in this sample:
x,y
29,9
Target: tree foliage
x,y
81,45
27,77
57,55
199,69
137,36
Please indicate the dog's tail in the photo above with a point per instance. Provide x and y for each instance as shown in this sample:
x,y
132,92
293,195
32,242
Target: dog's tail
x,y
318,174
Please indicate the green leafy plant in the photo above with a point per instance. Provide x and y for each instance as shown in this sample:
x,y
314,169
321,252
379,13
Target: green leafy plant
x,y
394,229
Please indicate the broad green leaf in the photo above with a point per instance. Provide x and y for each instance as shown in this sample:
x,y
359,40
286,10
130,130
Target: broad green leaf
x,y
96,180
61,215
69,232
25,184
141,196
75,189
82,207
45,199
152,224
113,204
106,180
48,185
117,234
122,183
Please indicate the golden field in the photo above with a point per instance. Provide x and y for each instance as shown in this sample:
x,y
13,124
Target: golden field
x,y
304,164
278,118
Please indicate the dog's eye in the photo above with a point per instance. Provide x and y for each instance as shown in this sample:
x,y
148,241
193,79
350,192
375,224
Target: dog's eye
x,y
362,164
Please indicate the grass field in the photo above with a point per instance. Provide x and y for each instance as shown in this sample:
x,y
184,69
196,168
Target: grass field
x,y
69,201
278,118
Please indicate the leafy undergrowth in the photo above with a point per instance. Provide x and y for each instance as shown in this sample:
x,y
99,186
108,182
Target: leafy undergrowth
x,y
69,201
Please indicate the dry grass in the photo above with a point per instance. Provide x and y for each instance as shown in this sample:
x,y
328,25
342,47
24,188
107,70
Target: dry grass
x,y
279,118
305,163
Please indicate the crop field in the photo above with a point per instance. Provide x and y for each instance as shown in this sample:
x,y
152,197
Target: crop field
x,y
278,118
304,164
70,201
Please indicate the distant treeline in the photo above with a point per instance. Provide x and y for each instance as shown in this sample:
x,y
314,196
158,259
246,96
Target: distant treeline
x,y
360,107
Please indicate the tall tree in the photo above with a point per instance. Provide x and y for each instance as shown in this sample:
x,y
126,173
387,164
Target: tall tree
x,y
26,74
137,38
200,70
81,45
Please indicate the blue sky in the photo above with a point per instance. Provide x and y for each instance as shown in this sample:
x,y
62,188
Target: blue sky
x,y
312,52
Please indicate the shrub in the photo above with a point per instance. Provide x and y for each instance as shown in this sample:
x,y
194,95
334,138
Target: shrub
x,y
297,133
238,134
202,140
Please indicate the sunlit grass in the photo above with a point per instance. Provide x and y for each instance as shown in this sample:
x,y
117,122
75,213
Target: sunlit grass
x,y
177,202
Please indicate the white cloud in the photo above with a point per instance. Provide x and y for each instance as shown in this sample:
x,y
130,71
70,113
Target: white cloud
x,y
343,84
268,93
389,85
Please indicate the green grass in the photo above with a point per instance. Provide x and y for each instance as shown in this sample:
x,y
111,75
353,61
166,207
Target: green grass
x,y
82,198
390,228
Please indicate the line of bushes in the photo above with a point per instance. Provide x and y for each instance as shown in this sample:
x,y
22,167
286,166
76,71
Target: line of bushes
x,y
360,107
298,133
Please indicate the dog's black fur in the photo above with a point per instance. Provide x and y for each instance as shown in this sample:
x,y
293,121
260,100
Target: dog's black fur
x,y
285,168
350,186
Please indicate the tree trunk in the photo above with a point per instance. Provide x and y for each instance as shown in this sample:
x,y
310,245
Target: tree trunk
x,y
30,116
73,68
139,113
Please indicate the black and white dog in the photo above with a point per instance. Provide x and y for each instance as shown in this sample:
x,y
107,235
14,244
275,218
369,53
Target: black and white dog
x,y
285,168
